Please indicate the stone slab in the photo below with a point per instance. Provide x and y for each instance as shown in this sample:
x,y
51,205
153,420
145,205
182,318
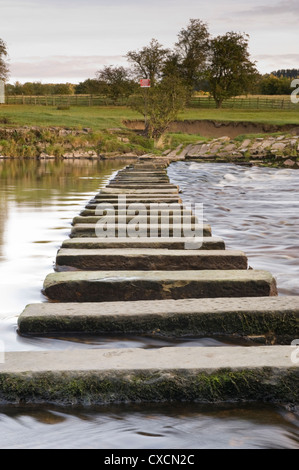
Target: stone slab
x,y
145,218
135,181
167,192
99,376
147,207
148,259
137,186
144,198
89,230
207,243
108,286
268,319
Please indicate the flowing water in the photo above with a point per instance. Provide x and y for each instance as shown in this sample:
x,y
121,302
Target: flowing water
x,y
253,209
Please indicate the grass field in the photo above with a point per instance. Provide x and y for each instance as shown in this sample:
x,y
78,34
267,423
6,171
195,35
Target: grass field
x,y
99,118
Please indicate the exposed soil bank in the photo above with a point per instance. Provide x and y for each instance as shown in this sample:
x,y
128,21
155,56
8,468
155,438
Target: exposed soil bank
x,y
208,128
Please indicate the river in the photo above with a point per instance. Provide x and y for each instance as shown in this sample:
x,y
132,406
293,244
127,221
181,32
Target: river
x,y
252,208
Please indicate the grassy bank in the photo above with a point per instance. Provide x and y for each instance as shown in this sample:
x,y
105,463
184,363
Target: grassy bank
x,y
104,117
106,132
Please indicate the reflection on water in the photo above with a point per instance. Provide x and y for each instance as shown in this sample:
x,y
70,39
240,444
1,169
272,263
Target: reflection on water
x,y
253,209
166,426
38,201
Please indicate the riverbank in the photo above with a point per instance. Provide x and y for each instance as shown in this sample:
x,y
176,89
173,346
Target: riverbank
x,y
60,143
271,147
69,143
276,151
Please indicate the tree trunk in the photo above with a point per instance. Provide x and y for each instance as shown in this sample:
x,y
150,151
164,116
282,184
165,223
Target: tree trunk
x,y
219,103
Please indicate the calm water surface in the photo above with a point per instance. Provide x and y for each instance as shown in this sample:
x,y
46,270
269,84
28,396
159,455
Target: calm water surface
x,y
253,209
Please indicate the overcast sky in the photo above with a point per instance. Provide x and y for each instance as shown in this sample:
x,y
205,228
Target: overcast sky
x,y
69,40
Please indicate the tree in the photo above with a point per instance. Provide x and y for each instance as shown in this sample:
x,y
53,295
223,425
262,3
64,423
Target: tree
x,y
192,49
63,89
160,105
149,61
4,71
230,71
117,81
287,73
90,86
273,85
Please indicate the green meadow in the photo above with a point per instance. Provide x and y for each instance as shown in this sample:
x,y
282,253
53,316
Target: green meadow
x,y
105,117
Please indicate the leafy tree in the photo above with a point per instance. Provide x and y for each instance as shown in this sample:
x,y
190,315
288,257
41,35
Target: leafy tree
x,y
272,85
230,71
3,65
90,86
160,105
192,50
117,81
149,61
63,89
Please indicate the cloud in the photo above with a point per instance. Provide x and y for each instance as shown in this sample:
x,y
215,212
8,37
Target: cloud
x,y
270,62
72,68
285,11
290,7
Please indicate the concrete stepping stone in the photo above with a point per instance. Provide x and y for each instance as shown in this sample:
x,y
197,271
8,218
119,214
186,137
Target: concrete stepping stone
x,y
207,243
108,286
147,259
267,319
105,376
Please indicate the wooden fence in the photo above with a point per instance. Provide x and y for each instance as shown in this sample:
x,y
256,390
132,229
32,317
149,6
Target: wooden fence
x,y
197,102
64,100
245,103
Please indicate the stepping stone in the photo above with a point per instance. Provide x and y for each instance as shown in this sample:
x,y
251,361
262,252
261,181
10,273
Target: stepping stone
x,y
87,213
149,186
93,204
269,318
149,259
139,172
141,176
138,181
105,376
207,243
144,198
146,218
144,230
109,286
167,192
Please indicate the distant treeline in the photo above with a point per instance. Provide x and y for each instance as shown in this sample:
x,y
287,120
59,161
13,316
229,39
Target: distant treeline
x,y
276,83
88,87
287,73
